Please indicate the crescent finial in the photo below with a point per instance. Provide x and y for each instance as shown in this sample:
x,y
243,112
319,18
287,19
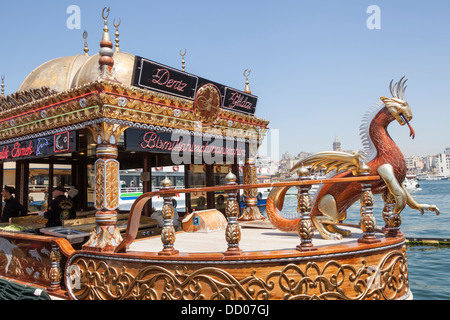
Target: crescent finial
x,y
103,13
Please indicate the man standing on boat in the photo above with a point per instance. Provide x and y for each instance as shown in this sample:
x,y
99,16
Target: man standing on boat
x,y
11,207
60,208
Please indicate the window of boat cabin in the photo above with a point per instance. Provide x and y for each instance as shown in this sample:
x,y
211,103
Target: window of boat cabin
x,y
207,176
197,179
220,197
39,183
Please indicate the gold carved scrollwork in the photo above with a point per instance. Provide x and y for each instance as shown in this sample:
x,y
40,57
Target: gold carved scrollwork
x,y
329,280
233,234
103,99
107,133
306,229
207,104
112,184
393,220
232,209
387,281
100,281
106,184
99,183
168,231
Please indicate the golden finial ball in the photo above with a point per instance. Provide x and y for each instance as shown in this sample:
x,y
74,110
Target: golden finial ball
x,y
302,172
230,177
166,182
364,168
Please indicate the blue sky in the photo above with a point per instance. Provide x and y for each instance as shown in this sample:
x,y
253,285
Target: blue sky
x,y
316,67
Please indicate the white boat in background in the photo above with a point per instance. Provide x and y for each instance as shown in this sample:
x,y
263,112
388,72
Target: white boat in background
x,y
411,184
432,177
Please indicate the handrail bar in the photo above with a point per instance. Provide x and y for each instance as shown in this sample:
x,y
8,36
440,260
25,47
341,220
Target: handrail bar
x,y
136,209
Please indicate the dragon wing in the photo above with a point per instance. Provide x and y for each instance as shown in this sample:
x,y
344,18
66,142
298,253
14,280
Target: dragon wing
x,y
331,160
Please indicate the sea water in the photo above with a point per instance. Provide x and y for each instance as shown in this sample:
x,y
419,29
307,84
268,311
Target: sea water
x,y
428,266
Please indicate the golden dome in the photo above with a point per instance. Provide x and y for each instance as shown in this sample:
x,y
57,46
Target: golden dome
x,y
65,73
122,70
57,74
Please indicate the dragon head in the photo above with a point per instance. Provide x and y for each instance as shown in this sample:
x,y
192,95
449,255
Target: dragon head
x,y
397,105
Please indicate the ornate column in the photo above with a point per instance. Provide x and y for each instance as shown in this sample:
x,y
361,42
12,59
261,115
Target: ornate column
x,y
393,220
305,226
233,230
251,210
106,235
55,274
168,230
368,223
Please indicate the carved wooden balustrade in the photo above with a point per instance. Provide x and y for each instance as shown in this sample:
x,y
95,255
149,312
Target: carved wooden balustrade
x,y
233,232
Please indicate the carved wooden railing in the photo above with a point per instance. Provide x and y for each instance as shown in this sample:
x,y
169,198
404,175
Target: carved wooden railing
x,y
233,233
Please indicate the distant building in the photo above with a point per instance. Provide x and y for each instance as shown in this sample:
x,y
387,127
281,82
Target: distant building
x,y
443,164
337,145
414,164
430,163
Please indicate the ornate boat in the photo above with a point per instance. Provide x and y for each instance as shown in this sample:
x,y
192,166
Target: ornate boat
x,y
136,110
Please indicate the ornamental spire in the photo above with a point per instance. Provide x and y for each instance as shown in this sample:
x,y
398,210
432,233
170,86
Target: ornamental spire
x,y
117,49
106,52
3,85
247,87
182,59
86,49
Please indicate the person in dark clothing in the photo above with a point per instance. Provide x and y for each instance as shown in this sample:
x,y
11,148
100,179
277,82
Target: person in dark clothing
x,y
11,207
60,208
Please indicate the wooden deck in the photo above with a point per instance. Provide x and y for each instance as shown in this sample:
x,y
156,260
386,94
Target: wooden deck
x,y
256,236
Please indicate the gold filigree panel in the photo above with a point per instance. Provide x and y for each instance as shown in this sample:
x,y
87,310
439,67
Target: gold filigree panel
x,y
106,133
99,191
207,104
250,177
310,280
106,184
112,184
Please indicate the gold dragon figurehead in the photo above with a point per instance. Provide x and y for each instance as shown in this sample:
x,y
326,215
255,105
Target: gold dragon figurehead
x,y
397,105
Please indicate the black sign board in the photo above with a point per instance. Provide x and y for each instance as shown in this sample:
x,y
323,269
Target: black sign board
x,y
58,143
151,75
239,101
182,145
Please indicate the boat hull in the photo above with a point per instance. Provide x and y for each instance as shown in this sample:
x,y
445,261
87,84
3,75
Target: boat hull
x,y
366,272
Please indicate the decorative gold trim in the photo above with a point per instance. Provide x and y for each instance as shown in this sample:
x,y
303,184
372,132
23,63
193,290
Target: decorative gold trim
x,y
101,99
103,279
99,192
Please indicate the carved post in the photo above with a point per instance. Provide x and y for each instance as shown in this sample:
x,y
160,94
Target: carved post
x,y
55,269
305,226
168,231
251,211
106,235
233,230
393,220
368,223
